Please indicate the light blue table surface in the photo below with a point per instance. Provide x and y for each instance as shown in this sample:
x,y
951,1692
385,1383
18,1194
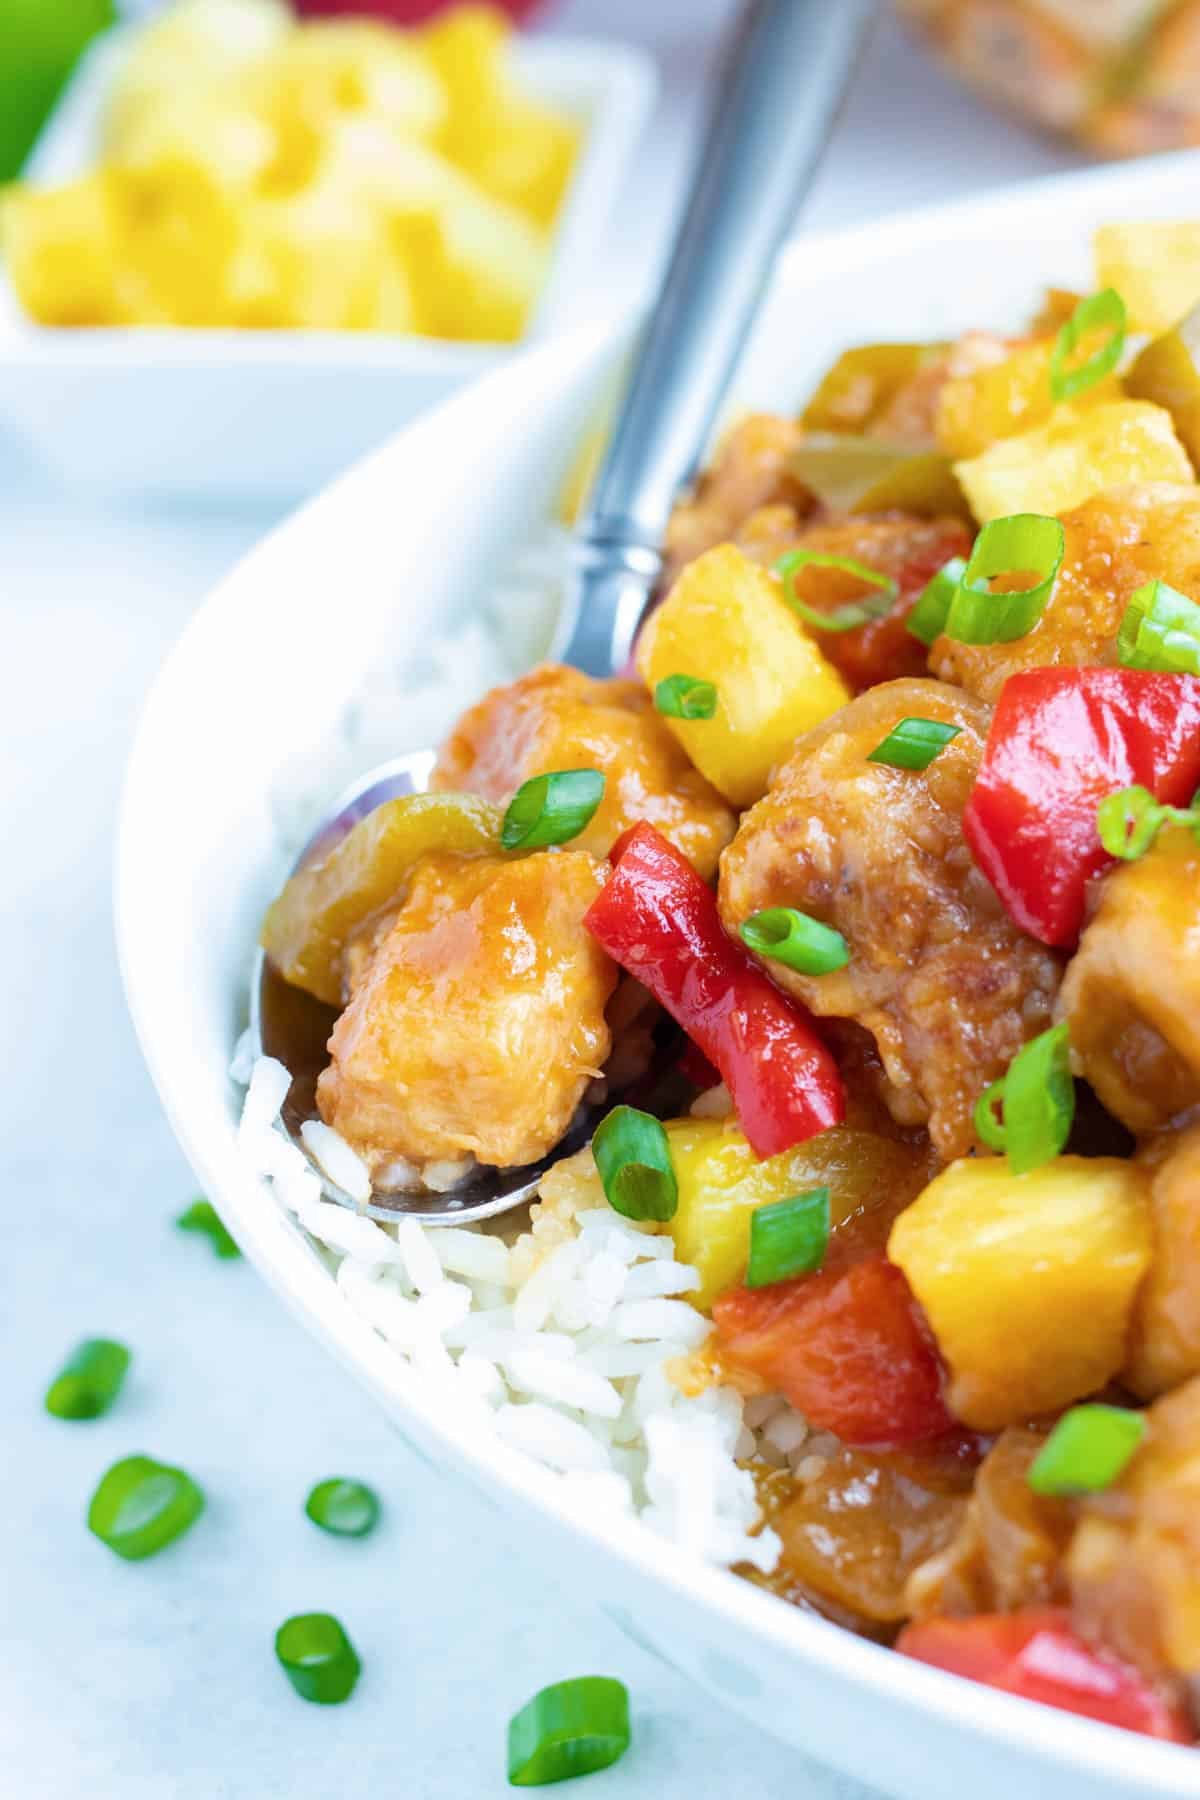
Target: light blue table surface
x,y
157,1681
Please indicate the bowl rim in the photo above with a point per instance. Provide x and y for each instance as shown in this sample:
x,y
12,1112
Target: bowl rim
x,y
1149,1767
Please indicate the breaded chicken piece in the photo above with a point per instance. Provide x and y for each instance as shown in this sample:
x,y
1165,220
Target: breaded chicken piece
x,y
1115,542
1131,994
938,974
1164,1346
556,718
751,468
478,1021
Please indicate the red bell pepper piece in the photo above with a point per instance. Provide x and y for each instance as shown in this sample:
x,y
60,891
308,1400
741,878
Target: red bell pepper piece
x,y
1036,1654
1061,741
848,1347
659,920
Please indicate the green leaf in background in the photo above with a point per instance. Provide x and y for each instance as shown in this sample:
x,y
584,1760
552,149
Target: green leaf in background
x,y
40,42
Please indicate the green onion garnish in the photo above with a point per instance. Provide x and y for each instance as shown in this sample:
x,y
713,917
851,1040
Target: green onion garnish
x,y
1037,1096
927,620
796,940
788,1237
202,1216
1130,820
685,697
1087,1450
1160,630
318,1658
343,1507
551,809
633,1154
980,615
572,1728
841,618
141,1506
89,1381
1103,309
914,743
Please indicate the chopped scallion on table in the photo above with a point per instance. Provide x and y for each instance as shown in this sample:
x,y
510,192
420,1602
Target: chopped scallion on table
x,y
141,1506
318,1658
1160,630
1024,542
1105,310
202,1216
914,743
793,938
1037,1097
841,618
89,1381
572,1728
1087,1450
343,1507
633,1155
685,697
788,1237
551,809
927,620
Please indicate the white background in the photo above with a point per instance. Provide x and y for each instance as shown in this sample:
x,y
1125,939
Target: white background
x,y
157,1681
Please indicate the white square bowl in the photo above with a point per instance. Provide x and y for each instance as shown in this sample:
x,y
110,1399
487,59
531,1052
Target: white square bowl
x,y
404,545
268,416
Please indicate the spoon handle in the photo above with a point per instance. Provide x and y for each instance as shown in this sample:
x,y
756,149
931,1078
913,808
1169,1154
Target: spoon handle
x,y
775,100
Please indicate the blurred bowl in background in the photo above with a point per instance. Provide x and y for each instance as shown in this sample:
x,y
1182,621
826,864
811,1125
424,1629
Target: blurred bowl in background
x,y
400,12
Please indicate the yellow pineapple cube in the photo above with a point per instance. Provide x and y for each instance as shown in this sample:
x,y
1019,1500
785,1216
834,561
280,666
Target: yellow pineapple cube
x,y
1077,453
1154,266
1004,398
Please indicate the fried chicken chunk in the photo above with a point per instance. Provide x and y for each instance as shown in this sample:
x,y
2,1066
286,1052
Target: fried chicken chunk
x,y
556,718
1164,1346
1115,542
751,468
1132,992
478,1020
938,974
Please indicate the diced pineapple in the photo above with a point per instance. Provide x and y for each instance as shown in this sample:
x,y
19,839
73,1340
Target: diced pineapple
x,y
1002,399
66,251
721,1182
1079,452
1028,1281
332,70
194,44
858,387
1167,372
726,621
1154,266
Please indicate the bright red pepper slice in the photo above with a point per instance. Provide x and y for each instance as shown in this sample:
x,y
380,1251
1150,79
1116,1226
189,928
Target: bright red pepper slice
x,y
847,1346
1061,740
659,920
1036,1654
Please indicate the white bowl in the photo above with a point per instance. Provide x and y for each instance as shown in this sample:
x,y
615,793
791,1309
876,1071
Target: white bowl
x,y
271,415
266,667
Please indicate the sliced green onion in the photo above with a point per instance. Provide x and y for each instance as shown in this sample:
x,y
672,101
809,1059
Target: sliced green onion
x,y
202,1216
1024,541
841,618
633,1154
572,1728
796,940
89,1381
1037,1097
1087,1450
1160,630
1098,310
685,697
927,620
914,743
788,1237
343,1507
551,809
1130,820
318,1658
141,1506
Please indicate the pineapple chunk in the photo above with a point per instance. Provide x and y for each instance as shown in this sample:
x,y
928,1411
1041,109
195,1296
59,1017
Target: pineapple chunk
x,y
721,1182
1002,399
726,621
1154,266
1168,373
1077,453
66,250
1028,1281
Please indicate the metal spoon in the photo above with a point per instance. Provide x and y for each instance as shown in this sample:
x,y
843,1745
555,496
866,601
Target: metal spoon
x,y
775,99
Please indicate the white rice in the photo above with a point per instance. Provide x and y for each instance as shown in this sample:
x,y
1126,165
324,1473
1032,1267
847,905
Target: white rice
x,y
562,1355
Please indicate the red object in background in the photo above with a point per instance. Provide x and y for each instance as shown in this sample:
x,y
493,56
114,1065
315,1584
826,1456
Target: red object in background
x,y
1035,1654
401,12
1061,741
847,1346
659,920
